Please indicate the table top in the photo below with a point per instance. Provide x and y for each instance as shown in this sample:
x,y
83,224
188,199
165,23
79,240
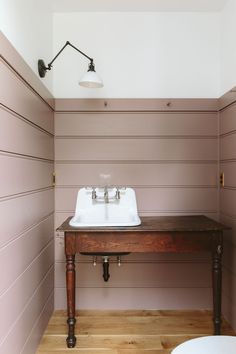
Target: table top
x,y
190,223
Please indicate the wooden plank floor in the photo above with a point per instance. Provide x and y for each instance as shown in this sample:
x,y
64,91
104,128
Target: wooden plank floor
x,y
127,332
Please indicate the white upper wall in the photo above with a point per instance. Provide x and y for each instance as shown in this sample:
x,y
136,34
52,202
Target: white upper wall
x,y
139,54
28,26
137,5
228,47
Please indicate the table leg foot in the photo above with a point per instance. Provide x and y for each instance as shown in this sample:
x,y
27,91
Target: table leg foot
x,y
70,284
71,339
71,342
217,327
217,284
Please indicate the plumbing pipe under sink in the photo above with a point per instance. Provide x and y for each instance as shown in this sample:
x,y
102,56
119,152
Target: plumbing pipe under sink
x,y
105,260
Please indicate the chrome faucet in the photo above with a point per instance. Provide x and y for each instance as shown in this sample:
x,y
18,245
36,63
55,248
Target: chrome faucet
x,y
94,195
106,195
117,196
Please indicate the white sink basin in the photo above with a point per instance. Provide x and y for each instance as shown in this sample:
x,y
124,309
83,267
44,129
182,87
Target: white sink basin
x,y
100,211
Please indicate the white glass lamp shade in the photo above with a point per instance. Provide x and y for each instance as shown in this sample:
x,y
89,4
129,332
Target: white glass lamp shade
x,y
91,80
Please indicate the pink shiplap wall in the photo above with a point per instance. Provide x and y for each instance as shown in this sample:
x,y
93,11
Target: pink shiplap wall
x,y
26,205
228,200
167,151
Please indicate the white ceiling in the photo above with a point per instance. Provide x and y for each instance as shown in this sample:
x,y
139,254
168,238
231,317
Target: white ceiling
x,y
138,5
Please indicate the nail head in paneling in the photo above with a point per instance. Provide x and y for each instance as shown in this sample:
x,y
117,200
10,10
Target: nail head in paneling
x,y
81,105
136,124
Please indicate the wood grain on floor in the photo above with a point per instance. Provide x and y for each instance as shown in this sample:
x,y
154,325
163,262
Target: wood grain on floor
x,y
127,332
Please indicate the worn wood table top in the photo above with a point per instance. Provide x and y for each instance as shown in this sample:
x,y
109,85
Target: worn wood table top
x,y
192,223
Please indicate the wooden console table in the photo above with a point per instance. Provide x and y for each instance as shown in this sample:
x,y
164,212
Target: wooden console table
x,y
172,234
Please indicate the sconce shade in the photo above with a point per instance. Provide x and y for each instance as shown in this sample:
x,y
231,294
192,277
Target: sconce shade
x,y
91,80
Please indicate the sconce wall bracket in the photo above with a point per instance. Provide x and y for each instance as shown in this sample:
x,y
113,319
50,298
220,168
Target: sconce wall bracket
x,y
42,69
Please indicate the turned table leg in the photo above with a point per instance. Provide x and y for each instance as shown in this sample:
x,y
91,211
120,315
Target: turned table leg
x,y
217,286
70,287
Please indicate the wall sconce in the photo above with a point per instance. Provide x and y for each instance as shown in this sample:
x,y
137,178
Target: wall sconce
x,y
90,79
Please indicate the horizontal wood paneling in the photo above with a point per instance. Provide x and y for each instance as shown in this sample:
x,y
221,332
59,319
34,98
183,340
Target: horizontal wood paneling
x,y
18,97
137,105
167,151
229,235
228,201
25,175
39,326
26,202
132,275
229,169
229,285
128,298
21,213
34,240
154,199
19,293
25,322
135,174
139,123
229,258
228,147
135,149
229,310
227,119
19,136
227,99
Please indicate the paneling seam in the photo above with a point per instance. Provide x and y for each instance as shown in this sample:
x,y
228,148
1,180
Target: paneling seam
x,y
231,216
231,132
31,227
153,162
144,186
27,304
26,83
131,137
23,194
24,156
50,298
169,112
227,106
51,241
164,110
25,120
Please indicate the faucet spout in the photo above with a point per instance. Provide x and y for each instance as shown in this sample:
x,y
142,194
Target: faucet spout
x,y
106,195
